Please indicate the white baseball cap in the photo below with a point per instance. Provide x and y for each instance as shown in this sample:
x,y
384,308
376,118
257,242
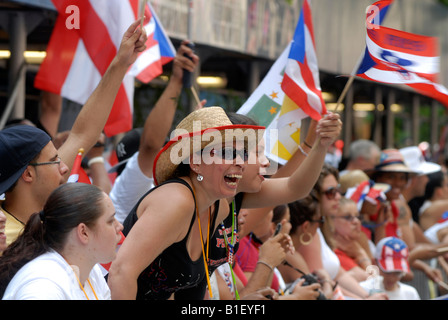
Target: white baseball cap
x,y
415,160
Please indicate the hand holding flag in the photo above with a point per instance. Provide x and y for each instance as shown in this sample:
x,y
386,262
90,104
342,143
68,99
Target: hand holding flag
x,y
78,58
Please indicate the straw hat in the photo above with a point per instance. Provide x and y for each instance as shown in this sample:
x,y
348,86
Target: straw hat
x,y
391,160
352,179
201,128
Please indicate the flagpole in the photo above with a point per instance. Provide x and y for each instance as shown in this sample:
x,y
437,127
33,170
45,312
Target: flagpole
x,y
349,82
344,92
142,12
189,36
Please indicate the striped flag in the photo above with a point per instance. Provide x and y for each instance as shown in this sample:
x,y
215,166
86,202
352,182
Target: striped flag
x,y
289,93
393,255
398,57
78,174
77,58
301,80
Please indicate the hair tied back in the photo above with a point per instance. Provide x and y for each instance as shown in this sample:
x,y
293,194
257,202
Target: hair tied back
x,y
42,215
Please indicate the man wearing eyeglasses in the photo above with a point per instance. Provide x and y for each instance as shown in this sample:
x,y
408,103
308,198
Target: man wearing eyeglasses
x,y
30,165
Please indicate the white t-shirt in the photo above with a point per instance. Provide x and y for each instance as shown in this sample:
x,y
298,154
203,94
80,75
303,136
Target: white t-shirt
x,y
50,277
129,187
330,260
403,292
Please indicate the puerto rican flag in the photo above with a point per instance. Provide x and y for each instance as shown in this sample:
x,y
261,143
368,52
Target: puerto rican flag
x,y
394,255
377,12
301,82
77,58
398,57
78,174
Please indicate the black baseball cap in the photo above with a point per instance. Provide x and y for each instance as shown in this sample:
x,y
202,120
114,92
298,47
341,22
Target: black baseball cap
x,y
18,146
127,146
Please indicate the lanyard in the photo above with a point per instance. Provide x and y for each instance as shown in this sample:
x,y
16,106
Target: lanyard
x,y
230,246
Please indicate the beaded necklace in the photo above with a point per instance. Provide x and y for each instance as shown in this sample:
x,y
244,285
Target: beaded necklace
x,y
230,245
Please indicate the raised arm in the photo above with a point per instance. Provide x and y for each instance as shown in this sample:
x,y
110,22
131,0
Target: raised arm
x,y
158,123
284,190
94,114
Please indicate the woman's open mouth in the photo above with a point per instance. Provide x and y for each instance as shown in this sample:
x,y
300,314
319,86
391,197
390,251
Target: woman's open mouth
x,y
232,179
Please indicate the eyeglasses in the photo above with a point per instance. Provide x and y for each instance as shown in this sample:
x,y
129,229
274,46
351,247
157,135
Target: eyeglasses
x,y
331,192
230,153
35,164
349,217
321,220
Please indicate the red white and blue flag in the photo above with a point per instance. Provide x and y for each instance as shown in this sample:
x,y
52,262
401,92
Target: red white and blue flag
x,y
394,255
78,174
77,58
377,12
398,57
289,92
301,79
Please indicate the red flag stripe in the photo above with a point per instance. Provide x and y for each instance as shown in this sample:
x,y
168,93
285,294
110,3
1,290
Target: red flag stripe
x,y
64,48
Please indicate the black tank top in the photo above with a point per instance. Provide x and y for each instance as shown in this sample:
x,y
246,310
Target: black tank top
x,y
173,269
217,254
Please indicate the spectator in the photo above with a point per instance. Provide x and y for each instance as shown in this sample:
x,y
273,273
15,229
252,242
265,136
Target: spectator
x,y
139,147
363,155
328,195
57,255
161,223
354,257
392,259
393,171
305,219
415,160
30,164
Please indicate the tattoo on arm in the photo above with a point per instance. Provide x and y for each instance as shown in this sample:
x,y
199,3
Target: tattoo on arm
x,y
175,99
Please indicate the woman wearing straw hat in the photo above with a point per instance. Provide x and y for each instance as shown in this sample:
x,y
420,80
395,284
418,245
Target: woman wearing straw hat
x,y
256,191
172,223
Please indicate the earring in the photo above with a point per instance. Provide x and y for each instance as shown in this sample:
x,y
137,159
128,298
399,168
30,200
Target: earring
x,y
199,177
306,242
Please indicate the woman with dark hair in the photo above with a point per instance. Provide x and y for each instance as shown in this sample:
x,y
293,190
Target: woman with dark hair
x,y
57,255
328,197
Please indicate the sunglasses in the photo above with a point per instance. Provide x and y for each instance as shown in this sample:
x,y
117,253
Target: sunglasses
x,y
331,192
230,153
349,217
